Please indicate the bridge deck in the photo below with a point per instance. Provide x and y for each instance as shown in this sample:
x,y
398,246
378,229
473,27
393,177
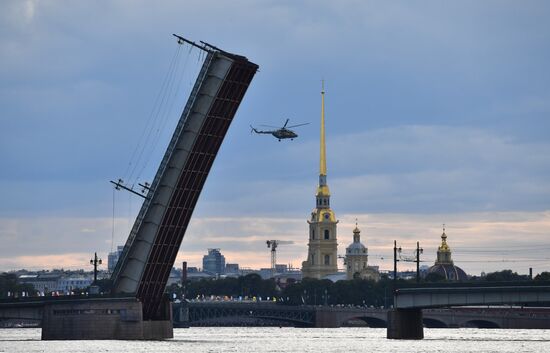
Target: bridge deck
x,y
418,298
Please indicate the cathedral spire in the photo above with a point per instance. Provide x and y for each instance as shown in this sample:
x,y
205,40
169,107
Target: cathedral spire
x,y
323,193
322,246
323,157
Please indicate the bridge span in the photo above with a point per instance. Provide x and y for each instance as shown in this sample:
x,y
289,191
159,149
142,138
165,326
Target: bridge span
x,y
271,314
406,320
144,266
415,298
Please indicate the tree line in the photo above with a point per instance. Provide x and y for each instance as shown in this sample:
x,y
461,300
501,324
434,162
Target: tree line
x,y
308,291
320,292
9,285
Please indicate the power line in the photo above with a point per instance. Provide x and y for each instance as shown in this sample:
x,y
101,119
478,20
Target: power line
x,y
172,94
525,260
131,163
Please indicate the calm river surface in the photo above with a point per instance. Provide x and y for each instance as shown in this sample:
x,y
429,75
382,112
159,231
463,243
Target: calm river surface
x,y
272,339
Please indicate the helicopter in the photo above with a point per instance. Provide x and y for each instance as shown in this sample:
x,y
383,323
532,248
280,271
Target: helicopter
x,y
281,133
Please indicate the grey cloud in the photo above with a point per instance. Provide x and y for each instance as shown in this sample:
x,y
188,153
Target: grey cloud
x,y
508,236
446,103
400,169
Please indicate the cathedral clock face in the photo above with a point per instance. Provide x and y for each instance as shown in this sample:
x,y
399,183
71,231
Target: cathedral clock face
x,y
327,215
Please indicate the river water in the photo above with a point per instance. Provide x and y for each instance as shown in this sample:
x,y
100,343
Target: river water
x,y
273,339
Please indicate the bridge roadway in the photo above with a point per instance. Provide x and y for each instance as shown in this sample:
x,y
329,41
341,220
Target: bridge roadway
x,y
28,309
423,298
421,303
261,313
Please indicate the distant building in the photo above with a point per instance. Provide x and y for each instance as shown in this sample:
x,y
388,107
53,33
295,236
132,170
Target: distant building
x,y
174,277
44,283
69,284
265,273
287,277
199,275
444,265
232,268
214,262
357,260
281,268
191,269
113,257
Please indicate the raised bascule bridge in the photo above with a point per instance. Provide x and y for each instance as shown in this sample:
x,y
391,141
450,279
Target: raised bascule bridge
x,y
142,271
137,308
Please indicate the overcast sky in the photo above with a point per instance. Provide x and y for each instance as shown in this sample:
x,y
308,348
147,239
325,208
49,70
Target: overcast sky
x,y
437,112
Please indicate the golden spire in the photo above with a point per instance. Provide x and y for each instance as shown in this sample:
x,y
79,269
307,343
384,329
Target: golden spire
x,y
322,190
356,233
356,230
323,160
443,251
444,246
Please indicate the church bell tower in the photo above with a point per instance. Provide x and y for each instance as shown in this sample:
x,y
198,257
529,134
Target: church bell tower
x,y
322,246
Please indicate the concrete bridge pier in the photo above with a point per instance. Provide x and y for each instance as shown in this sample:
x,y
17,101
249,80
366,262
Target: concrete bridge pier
x,y
326,318
405,324
104,319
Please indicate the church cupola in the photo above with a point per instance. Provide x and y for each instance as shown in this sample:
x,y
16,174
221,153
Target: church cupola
x,y
443,251
444,265
356,234
356,260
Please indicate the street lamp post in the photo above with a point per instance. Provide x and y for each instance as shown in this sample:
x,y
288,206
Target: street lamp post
x,y
395,251
95,261
419,251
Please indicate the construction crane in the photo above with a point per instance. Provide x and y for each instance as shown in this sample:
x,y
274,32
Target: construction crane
x,y
273,244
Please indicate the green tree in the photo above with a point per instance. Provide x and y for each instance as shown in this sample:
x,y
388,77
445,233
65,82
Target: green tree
x,y
8,283
543,276
504,276
354,292
251,285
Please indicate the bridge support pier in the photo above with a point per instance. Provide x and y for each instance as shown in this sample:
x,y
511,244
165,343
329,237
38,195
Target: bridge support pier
x,y
326,318
405,324
104,319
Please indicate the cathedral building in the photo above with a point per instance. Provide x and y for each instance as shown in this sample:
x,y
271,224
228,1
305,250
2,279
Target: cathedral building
x,y
322,246
356,260
444,265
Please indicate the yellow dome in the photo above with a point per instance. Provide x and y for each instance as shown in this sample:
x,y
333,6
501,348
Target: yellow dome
x,y
322,190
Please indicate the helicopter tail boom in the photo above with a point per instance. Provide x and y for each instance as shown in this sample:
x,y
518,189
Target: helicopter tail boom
x,y
258,131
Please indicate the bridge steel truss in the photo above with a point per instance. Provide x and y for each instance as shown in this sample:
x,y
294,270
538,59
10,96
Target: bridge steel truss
x,y
203,314
160,226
